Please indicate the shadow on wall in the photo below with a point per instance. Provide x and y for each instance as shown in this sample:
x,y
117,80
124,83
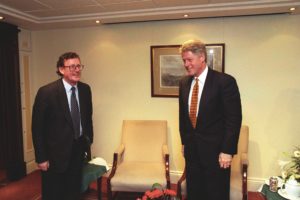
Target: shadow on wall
x,y
283,125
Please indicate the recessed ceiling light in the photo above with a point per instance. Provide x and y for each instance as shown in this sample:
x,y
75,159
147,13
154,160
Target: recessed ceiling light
x,y
2,18
97,21
186,16
292,9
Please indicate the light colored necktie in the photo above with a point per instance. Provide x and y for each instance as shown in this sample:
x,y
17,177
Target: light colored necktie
x,y
194,103
75,113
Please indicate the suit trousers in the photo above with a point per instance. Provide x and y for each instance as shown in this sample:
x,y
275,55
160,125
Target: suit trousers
x,y
65,185
205,179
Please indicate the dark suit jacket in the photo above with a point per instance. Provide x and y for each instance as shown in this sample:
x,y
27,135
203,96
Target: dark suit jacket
x,y
219,118
52,128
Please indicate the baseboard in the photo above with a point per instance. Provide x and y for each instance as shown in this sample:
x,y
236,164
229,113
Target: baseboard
x,y
175,176
255,183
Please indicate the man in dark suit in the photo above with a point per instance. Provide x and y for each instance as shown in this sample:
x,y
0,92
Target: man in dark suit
x,y
61,130
210,119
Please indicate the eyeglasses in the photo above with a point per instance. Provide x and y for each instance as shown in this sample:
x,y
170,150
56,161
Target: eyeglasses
x,y
74,67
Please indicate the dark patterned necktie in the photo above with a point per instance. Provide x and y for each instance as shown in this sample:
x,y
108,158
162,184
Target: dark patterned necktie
x,y
194,103
75,113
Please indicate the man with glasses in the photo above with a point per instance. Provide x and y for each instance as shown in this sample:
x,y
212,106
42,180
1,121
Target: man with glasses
x,y
61,127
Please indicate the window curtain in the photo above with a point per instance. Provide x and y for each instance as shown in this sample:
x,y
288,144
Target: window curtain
x,y
11,140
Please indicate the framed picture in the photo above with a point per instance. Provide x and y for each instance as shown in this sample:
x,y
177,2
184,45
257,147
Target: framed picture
x,y
167,67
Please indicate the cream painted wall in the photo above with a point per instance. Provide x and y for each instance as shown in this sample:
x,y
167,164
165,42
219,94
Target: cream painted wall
x,y
262,52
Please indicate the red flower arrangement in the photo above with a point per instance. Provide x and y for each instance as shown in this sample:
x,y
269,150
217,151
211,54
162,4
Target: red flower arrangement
x,y
158,193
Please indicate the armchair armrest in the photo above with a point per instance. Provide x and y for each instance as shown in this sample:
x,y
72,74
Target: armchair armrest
x,y
165,150
179,183
244,165
116,160
166,156
119,153
244,159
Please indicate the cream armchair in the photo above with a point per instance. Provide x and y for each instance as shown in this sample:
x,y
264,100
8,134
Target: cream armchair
x,y
141,159
239,173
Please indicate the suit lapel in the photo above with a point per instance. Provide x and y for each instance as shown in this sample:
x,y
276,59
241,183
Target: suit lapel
x,y
186,91
63,99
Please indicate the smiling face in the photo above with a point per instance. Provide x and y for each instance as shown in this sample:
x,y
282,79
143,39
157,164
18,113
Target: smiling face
x,y
72,76
193,63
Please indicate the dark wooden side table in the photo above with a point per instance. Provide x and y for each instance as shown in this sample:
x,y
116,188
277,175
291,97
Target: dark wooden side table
x,y
92,172
271,195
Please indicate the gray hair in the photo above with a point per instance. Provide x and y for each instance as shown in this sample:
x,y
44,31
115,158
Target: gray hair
x,y
195,46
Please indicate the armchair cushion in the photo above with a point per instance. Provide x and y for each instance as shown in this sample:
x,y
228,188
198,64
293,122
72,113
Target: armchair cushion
x,y
138,176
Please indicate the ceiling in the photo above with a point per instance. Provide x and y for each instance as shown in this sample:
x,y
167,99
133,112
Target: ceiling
x,y
47,14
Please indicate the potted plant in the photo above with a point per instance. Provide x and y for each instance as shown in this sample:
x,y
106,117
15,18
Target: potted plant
x,y
158,193
291,173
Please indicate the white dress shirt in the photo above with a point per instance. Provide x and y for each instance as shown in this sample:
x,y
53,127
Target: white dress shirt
x,y
201,82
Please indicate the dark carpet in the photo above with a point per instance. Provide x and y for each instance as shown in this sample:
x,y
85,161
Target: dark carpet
x,y
29,188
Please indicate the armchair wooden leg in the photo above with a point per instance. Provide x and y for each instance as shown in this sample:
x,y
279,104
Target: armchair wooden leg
x,y
113,171
179,192
244,181
109,192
